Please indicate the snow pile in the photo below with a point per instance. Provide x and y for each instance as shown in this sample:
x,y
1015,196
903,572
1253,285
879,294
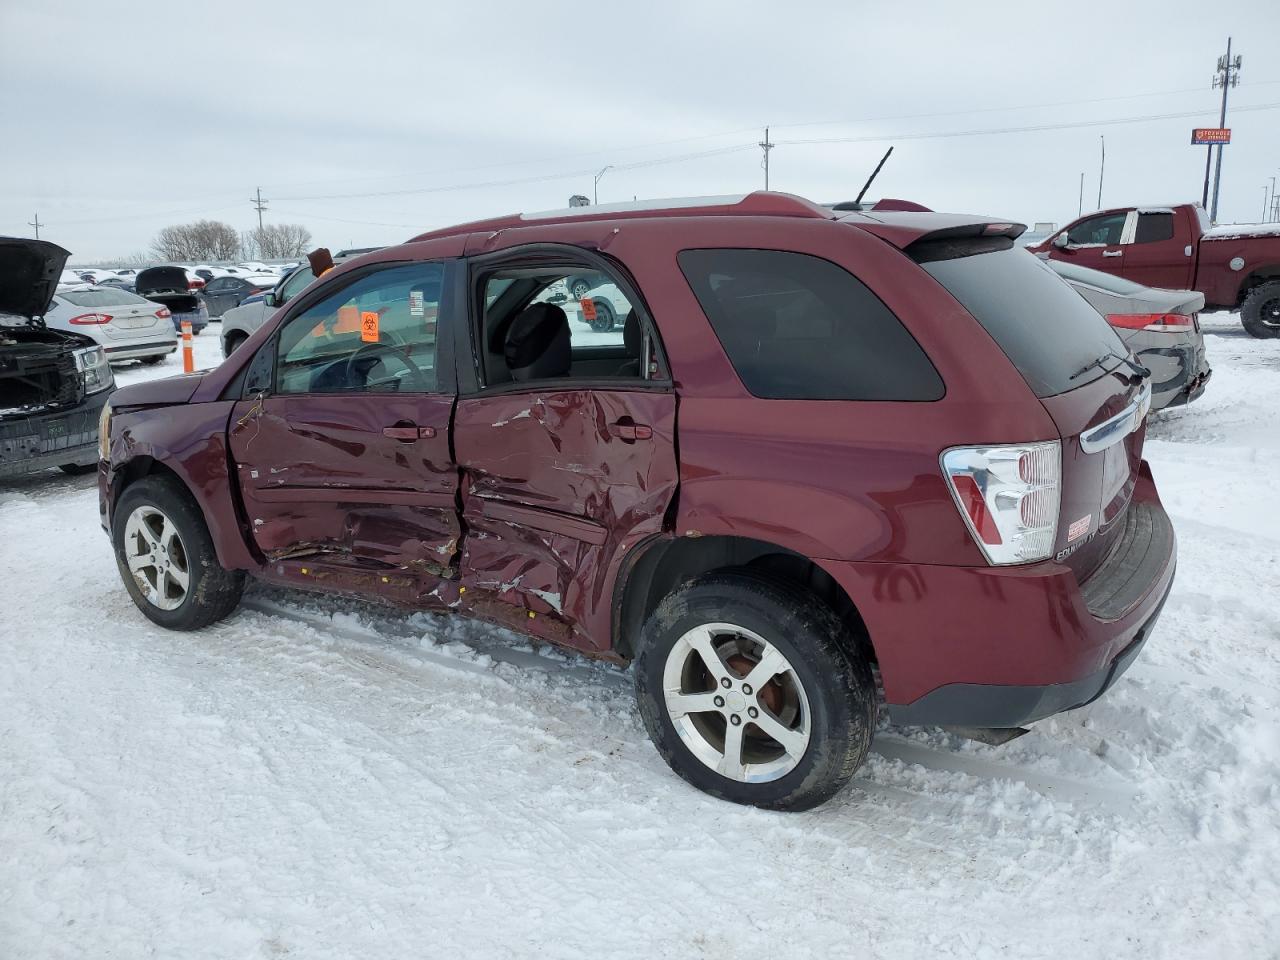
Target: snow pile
x,y
321,778
1237,231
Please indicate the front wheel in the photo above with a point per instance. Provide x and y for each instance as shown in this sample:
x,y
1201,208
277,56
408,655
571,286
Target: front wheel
x,y
753,691
166,557
1260,312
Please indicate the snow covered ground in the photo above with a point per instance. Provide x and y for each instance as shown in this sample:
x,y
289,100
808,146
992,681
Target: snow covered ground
x,y
318,778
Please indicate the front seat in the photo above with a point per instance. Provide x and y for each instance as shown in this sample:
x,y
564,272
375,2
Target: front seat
x,y
633,341
537,345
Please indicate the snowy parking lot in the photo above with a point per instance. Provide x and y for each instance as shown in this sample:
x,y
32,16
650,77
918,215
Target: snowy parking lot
x,y
322,778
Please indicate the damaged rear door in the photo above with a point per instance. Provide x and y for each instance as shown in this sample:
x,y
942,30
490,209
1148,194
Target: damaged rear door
x,y
342,445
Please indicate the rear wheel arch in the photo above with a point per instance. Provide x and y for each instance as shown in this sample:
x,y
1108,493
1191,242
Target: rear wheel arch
x,y
1256,277
658,567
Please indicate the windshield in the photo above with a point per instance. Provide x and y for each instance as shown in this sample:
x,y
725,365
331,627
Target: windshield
x,y
101,297
1047,329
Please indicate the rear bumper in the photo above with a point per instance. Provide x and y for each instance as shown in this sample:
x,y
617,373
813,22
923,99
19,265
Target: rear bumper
x,y
35,443
132,351
1178,374
1005,646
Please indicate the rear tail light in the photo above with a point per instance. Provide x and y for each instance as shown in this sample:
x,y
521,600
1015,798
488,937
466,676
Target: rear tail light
x,y
194,284
1158,322
88,319
164,313
1008,497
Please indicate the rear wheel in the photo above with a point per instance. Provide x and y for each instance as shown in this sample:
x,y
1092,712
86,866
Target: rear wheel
x,y
1260,312
166,557
233,343
605,317
152,361
752,691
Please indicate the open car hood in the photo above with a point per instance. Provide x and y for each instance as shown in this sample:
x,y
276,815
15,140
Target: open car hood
x,y
29,272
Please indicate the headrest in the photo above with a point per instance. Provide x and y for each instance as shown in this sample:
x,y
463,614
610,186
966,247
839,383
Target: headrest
x,y
537,345
632,334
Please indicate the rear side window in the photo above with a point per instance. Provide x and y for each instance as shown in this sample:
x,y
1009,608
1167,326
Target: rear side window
x,y
1153,227
1048,330
797,327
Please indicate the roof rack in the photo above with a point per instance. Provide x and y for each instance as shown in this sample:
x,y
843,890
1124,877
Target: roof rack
x,y
762,203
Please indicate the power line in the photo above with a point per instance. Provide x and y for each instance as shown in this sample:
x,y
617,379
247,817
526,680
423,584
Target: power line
x,y
1029,128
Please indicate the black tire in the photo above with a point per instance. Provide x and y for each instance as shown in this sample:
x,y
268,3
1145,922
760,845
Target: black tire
x,y
836,681
578,288
212,592
78,469
1260,312
233,343
605,317
152,361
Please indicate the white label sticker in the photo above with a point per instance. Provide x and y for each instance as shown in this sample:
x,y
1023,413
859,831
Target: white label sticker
x,y
416,303
1079,528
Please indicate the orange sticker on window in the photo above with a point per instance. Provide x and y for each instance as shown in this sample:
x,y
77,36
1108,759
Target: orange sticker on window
x,y
588,309
369,326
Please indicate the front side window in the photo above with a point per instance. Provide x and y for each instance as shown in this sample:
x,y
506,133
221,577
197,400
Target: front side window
x,y
375,335
297,280
799,327
1104,230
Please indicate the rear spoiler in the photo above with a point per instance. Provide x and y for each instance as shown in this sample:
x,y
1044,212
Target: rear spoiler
x,y
905,229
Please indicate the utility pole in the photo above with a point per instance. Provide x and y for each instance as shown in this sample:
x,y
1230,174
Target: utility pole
x,y
1101,170
261,205
1226,77
37,224
1266,202
1269,215
595,187
766,146
1080,205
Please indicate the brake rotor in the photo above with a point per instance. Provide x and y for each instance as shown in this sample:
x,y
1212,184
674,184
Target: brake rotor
x,y
771,694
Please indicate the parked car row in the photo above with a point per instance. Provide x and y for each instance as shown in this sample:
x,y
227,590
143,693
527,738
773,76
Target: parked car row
x,y
886,474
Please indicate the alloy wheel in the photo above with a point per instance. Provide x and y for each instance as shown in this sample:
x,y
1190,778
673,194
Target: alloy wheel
x,y
156,557
737,703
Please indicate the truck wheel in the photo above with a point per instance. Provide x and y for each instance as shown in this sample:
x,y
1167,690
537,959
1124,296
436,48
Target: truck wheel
x,y
1260,312
752,691
166,557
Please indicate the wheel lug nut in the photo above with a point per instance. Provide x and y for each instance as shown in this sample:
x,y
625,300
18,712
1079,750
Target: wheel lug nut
x,y
719,701
752,712
746,688
724,682
735,720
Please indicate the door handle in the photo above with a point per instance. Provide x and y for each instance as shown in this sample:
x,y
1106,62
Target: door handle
x,y
408,432
1113,253
630,431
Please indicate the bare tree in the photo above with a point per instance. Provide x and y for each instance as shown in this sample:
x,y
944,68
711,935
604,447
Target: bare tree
x,y
202,240
249,245
281,240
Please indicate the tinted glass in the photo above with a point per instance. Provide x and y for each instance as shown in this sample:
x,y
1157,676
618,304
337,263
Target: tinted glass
x,y
376,335
1105,230
1153,227
1048,330
1095,278
799,327
110,297
296,282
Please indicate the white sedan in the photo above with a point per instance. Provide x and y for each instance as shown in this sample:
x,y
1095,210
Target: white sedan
x,y
127,326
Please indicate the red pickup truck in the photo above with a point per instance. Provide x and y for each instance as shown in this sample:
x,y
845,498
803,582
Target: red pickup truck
x,y
1236,267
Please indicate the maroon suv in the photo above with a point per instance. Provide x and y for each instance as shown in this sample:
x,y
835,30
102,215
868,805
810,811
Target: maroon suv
x,y
823,448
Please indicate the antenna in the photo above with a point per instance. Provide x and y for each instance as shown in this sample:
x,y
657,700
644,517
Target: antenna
x,y
874,173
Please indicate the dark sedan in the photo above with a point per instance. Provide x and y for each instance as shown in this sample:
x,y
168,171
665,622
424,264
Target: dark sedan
x,y
223,293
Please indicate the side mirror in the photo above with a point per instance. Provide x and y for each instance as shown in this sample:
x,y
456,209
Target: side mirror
x,y
1060,241
270,299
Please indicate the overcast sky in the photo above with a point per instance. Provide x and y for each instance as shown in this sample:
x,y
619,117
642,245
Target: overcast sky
x,y
370,121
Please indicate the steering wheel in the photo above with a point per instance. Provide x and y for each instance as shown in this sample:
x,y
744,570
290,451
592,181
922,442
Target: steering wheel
x,y
372,353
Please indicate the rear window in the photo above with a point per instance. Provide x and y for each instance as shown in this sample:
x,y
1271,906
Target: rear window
x,y
109,297
797,327
1154,227
1048,330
